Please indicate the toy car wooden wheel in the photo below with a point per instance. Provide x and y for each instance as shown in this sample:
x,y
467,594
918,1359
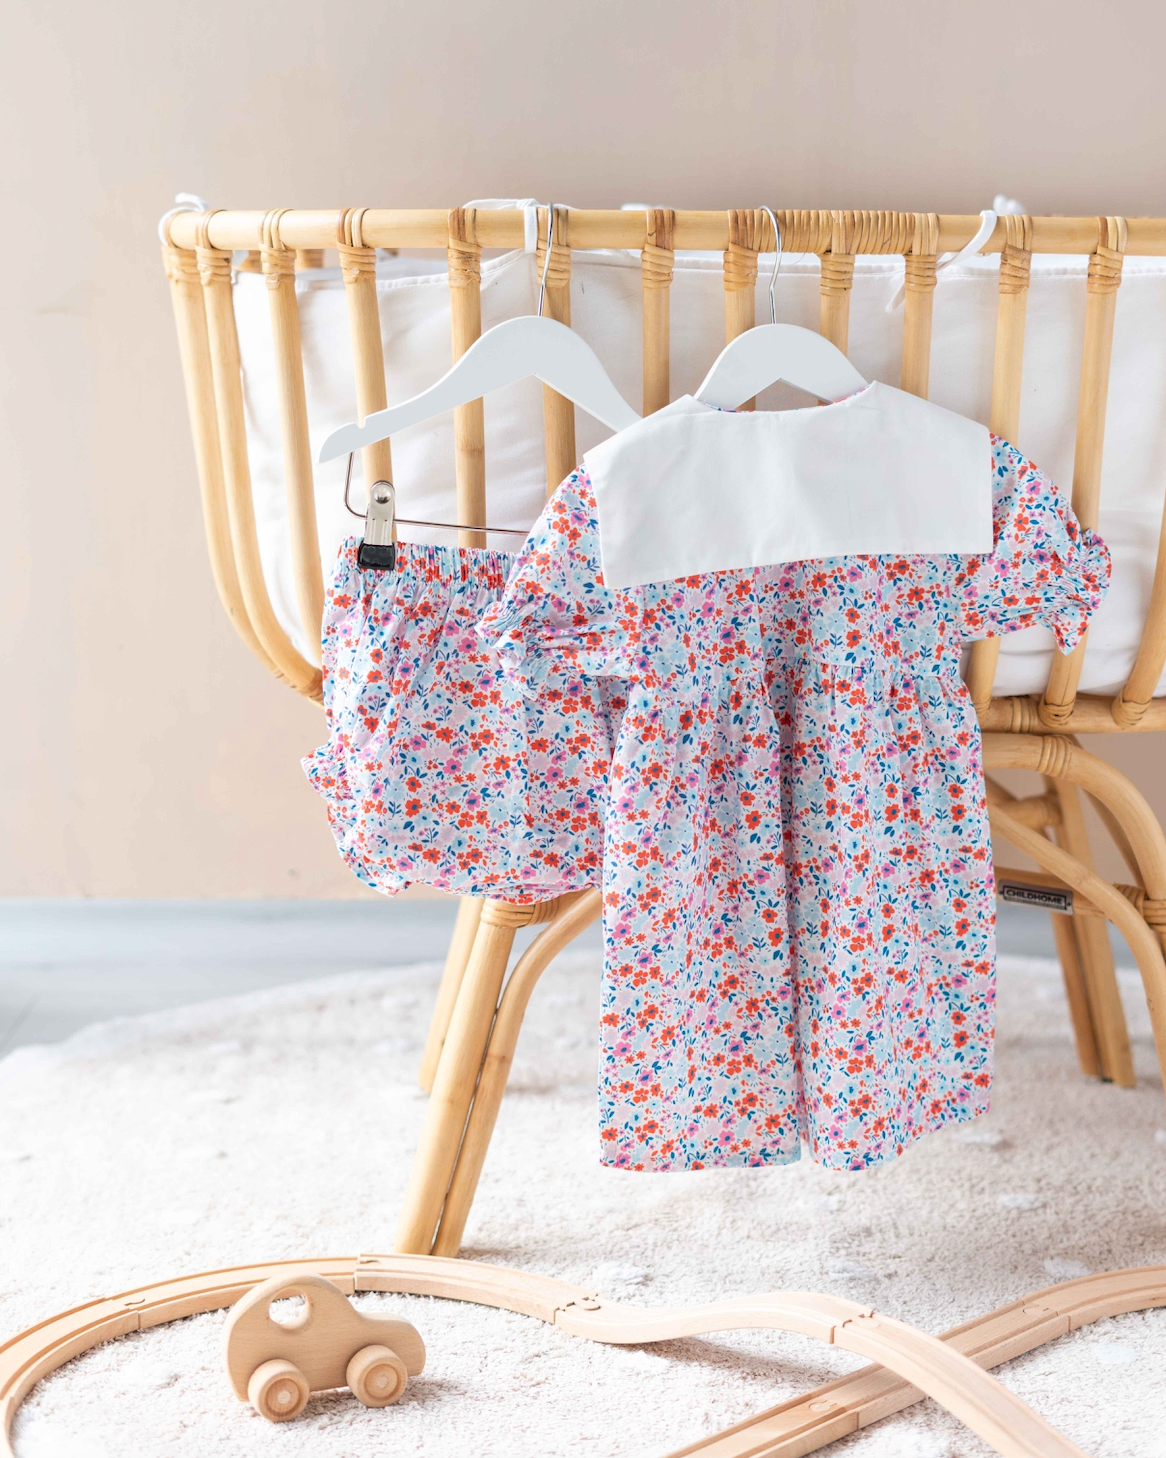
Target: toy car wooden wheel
x,y
278,1390
377,1376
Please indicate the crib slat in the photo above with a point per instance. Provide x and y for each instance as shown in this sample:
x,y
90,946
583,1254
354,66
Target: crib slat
x,y
558,413
469,420
358,267
214,268
279,265
740,273
194,348
1136,696
838,280
919,265
1103,280
1007,372
656,277
741,277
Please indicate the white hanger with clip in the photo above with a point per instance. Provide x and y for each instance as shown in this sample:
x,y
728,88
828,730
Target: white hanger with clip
x,y
772,352
511,351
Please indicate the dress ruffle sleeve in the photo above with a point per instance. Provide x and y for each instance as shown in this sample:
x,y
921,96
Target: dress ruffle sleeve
x,y
556,616
1045,566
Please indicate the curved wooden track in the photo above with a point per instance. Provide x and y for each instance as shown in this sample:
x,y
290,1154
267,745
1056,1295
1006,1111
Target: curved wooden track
x,y
911,1364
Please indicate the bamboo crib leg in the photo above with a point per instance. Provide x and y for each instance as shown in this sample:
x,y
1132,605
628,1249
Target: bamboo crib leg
x,y
1104,278
741,276
458,1068
1146,947
358,267
1061,758
214,266
279,265
455,1079
575,914
1076,995
656,279
558,413
194,349
917,304
1094,954
1042,812
469,914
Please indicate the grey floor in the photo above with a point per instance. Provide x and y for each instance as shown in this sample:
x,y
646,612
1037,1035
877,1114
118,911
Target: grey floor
x,y
65,964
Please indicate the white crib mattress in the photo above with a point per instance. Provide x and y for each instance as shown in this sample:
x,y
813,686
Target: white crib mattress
x,y
606,304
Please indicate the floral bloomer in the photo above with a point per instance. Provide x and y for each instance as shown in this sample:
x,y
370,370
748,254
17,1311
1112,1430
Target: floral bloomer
x,y
436,770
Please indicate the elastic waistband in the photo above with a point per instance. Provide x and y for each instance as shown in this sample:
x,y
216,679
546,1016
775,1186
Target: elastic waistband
x,y
474,565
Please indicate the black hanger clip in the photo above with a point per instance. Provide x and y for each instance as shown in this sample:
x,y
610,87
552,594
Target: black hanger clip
x,y
378,549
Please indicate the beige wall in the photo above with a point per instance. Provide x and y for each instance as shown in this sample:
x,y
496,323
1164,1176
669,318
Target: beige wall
x,y
144,752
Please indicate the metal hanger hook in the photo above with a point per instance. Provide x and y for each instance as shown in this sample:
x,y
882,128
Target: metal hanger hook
x,y
776,263
347,483
542,286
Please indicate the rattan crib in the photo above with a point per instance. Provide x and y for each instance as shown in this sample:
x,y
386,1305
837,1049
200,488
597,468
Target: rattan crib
x,y
479,1011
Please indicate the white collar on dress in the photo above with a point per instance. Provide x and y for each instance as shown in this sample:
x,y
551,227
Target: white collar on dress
x,y
693,489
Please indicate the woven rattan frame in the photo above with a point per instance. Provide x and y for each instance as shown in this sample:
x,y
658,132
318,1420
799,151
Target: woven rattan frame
x,y
478,1012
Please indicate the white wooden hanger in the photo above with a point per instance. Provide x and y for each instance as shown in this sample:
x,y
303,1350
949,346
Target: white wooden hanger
x,y
511,351
987,227
772,352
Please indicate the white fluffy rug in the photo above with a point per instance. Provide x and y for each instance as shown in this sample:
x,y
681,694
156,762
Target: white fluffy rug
x,y
281,1124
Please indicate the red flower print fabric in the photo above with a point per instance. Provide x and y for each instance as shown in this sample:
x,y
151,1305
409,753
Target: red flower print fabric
x,y
436,769
799,909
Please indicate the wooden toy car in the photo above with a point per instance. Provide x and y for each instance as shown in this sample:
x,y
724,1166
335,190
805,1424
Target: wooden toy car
x,y
277,1365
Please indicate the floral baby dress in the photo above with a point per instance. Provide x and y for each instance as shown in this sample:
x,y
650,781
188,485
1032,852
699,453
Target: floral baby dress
x,y
799,909
436,770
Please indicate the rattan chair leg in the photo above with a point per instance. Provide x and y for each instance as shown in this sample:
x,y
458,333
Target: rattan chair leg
x,y
575,914
465,929
1094,954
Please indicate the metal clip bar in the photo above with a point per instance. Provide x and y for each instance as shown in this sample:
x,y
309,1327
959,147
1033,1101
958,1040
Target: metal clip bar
x,y
451,526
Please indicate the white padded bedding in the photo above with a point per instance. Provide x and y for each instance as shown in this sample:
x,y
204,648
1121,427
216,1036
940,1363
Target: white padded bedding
x,y
605,303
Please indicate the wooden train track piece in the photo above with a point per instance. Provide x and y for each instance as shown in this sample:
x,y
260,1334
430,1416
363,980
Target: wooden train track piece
x,y
910,1363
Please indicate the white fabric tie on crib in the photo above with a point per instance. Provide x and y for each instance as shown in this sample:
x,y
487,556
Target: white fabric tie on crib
x,y
693,489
